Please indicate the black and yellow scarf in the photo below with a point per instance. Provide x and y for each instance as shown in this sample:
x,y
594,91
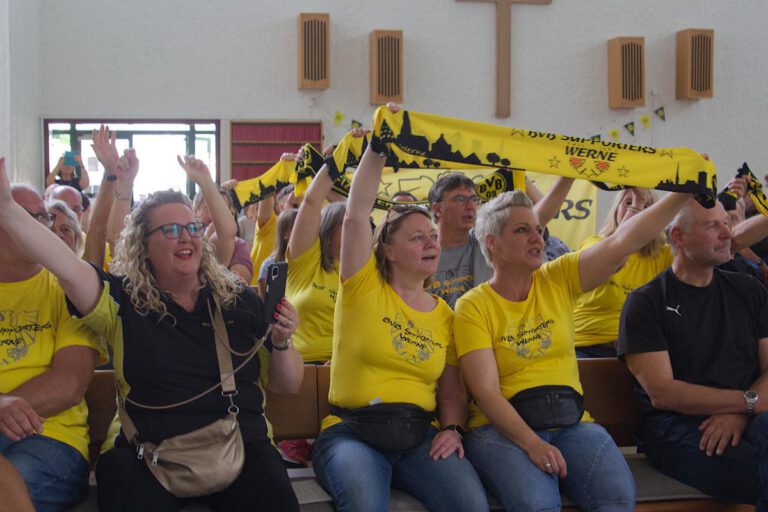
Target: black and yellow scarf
x,y
426,140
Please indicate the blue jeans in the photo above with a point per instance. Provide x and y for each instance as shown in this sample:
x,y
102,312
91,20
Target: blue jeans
x,y
359,477
740,474
598,476
55,473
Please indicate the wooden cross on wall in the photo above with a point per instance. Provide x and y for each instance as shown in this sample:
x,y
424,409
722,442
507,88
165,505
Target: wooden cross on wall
x,y
503,44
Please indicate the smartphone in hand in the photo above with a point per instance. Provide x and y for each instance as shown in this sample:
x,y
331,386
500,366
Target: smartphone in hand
x,y
277,274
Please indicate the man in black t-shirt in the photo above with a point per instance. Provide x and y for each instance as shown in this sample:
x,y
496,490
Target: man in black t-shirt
x,y
696,340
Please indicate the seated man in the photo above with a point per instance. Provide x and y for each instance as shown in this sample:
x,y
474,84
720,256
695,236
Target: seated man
x,y
46,362
696,339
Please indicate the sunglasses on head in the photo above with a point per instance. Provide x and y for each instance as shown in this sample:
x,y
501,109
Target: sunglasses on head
x,y
400,210
173,230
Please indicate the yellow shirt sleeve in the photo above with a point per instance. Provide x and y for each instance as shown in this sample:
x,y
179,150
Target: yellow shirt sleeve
x,y
312,291
597,312
263,244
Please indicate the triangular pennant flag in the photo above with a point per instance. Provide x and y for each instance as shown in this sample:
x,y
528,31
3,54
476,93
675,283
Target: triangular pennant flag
x,y
645,120
660,112
630,127
338,117
613,133
355,124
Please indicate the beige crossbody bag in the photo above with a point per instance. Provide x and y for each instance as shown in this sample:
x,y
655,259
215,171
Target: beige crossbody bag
x,y
206,460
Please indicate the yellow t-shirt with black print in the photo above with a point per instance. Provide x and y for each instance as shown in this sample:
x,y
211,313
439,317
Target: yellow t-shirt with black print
x,y
263,244
312,291
597,312
384,350
34,325
532,340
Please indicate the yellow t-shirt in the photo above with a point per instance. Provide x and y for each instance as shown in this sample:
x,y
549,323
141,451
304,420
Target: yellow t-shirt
x,y
263,244
34,325
597,312
384,350
312,291
532,340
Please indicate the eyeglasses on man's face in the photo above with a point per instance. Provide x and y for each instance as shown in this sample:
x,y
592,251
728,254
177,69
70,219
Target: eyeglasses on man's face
x,y
462,199
44,218
173,230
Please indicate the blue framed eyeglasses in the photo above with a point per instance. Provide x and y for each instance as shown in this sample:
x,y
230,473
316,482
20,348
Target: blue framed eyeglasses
x,y
173,230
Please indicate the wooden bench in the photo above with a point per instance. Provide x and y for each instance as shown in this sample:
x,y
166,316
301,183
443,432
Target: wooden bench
x,y
608,396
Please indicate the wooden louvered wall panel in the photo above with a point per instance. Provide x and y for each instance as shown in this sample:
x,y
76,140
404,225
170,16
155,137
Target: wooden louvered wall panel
x,y
626,72
695,63
314,51
386,66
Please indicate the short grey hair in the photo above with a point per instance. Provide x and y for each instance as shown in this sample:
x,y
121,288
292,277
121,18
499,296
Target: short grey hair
x,y
493,216
682,220
63,208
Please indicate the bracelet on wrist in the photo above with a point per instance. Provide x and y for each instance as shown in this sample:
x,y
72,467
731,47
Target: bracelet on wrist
x,y
123,198
284,346
110,177
456,428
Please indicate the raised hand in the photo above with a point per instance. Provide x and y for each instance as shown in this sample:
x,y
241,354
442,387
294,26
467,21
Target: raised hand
x,y
127,167
105,148
196,169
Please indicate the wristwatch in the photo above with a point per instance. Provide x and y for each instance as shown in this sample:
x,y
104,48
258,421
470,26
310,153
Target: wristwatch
x,y
750,397
455,428
284,346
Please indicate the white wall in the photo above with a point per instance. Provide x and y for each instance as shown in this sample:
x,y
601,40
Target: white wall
x,y
26,82
5,83
237,59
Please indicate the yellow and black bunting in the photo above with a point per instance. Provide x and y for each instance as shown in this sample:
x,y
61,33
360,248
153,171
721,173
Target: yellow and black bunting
x,y
449,141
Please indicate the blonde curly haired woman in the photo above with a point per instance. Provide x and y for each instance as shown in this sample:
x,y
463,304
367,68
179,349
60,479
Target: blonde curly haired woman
x,y
154,311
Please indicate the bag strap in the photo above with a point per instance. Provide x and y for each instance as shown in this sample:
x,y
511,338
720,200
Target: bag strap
x,y
226,373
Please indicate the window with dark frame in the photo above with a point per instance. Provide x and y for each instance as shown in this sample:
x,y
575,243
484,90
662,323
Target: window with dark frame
x,y
156,141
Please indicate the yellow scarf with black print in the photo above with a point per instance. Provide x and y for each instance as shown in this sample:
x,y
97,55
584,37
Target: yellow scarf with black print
x,y
439,142
405,174
255,189
754,190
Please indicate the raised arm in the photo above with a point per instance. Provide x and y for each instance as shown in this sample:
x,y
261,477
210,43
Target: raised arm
x,y
598,262
78,279
106,151
308,216
51,178
265,209
356,236
549,205
126,170
84,181
223,221
750,232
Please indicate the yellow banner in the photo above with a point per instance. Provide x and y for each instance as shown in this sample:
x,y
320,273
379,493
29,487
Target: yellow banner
x,y
443,141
